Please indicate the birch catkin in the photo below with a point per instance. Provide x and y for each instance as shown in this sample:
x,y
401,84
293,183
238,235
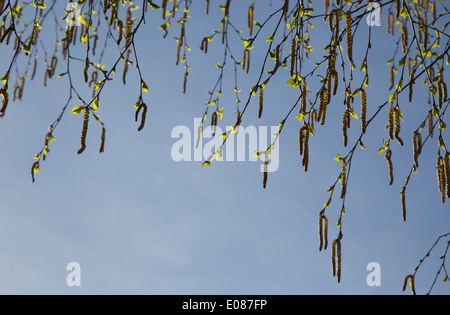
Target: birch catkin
x,y
261,101
363,111
143,116
120,27
345,123
403,195
333,257
266,169
397,7
305,161
339,260
430,124
336,259
388,157
447,173
250,17
293,56
398,125
214,123
103,137
85,70
84,130
301,138
348,20
304,95
5,101
411,280
442,182
417,148
246,62
323,233
391,125
343,178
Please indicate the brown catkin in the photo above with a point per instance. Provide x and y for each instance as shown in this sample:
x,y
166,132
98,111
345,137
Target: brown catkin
x,y
204,45
186,74
143,116
345,123
444,92
120,27
391,125
403,195
286,9
214,123
301,137
411,85
327,6
417,148
323,233
250,18
336,26
53,64
266,166
336,259
343,178
392,77
434,10
405,38
246,62
397,7
328,91
336,82
339,260
293,56
330,20
320,233
164,8
84,130
35,166
442,182
398,125
277,57
125,67
348,23
388,157
411,280
261,101
207,6
103,137
391,23
5,101
304,95
85,70
305,161
34,69
333,257
430,124
363,111
321,105
447,173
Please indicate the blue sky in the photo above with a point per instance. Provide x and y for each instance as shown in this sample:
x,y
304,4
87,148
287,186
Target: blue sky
x,y
139,223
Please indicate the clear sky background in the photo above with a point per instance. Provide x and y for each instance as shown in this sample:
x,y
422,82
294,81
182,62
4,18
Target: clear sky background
x,y
139,223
